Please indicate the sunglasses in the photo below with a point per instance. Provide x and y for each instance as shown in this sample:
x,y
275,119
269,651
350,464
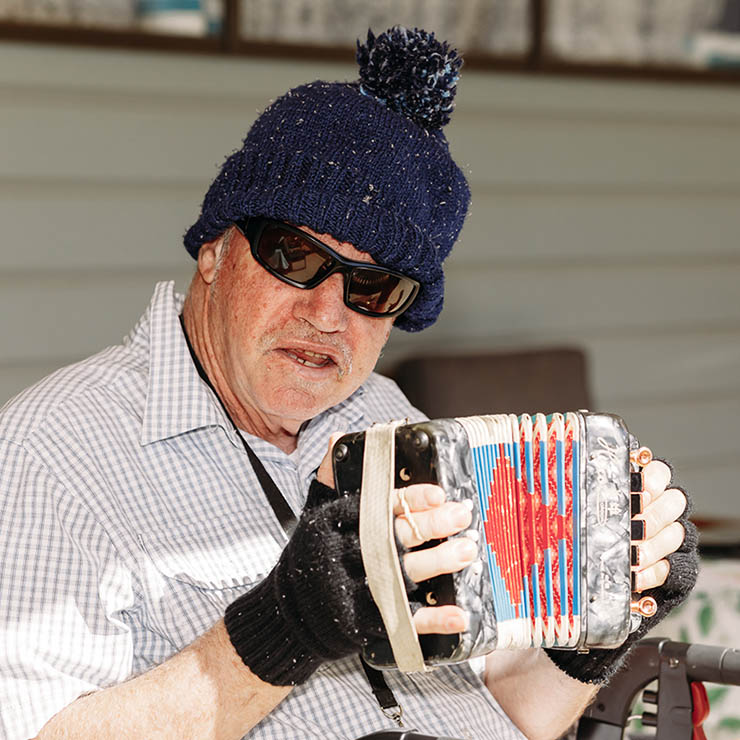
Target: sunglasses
x,y
299,259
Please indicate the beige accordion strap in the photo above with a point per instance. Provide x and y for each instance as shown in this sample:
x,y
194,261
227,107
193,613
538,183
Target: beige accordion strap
x,y
378,546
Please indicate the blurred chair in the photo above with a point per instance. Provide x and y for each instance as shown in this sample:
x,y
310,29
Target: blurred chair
x,y
553,379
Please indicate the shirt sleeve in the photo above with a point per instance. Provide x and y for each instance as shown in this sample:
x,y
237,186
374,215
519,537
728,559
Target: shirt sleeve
x,y
63,593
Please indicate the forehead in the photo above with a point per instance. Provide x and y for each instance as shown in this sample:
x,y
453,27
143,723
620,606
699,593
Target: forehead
x,y
344,248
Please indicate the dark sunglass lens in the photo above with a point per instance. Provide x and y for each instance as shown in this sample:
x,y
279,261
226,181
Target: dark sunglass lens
x,y
379,292
290,255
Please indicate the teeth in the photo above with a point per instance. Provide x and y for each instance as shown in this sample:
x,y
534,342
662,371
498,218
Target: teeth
x,y
322,358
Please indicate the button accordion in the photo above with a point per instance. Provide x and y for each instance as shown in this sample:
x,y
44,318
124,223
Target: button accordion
x,y
551,517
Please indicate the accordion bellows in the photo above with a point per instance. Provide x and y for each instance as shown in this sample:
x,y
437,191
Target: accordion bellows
x,y
551,517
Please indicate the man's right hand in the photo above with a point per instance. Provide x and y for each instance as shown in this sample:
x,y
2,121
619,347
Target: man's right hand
x,y
433,518
315,604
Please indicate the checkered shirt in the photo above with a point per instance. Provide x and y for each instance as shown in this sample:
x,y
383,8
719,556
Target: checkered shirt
x,y
130,517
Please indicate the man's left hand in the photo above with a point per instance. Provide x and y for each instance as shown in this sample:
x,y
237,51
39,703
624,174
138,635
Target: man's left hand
x,y
662,507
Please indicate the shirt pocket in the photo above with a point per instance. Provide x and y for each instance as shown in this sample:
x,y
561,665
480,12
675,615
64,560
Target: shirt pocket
x,y
225,552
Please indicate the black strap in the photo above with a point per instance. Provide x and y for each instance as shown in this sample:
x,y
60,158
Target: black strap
x,y
275,497
382,692
388,703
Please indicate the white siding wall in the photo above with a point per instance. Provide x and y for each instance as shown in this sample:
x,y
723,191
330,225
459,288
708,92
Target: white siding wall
x,y
605,214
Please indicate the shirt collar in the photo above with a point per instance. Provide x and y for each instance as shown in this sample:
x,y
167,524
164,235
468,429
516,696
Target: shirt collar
x,y
178,401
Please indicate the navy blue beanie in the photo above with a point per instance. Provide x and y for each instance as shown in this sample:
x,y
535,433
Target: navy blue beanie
x,y
366,162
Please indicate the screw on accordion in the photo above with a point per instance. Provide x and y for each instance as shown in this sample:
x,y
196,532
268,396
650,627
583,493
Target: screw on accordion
x,y
551,518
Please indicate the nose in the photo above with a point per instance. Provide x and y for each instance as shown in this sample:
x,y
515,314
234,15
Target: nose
x,y
323,306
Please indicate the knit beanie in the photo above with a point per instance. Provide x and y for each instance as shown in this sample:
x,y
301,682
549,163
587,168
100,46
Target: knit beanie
x,y
365,161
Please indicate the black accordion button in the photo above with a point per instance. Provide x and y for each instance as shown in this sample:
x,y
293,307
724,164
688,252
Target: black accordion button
x,y
636,503
636,481
638,529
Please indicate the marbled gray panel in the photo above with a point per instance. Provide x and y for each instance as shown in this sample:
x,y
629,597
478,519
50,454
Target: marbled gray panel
x,y
473,590
607,531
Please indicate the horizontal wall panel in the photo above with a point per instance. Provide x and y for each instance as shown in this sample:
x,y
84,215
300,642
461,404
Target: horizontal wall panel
x,y
592,225
677,366
73,315
522,303
484,94
694,432
621,368
73,226
528,150
59,139
115,71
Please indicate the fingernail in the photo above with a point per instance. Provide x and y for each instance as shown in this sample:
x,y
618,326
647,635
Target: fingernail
x,y
462,517
468,503
465,548
472,534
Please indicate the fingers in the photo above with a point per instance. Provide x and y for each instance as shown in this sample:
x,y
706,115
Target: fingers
x,y
419,526
419,497
652,577
664,543
662,511
441,620
656,477
448,557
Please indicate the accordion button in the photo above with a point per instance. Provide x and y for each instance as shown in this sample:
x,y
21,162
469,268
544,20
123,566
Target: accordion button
x,y
637,529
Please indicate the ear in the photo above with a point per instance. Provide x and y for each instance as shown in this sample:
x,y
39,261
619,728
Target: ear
x,y
208,257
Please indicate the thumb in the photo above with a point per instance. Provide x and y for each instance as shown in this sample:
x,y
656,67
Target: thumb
x,y
325,473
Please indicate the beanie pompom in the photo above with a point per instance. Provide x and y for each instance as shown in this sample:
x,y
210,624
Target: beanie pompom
x,y
412,73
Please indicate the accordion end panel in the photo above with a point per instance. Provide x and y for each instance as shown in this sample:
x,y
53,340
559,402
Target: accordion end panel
x,y
606,530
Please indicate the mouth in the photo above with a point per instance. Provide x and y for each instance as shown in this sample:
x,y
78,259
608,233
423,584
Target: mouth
x,y
308,358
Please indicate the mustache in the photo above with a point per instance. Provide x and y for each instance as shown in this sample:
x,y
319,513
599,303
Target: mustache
x,y
339,350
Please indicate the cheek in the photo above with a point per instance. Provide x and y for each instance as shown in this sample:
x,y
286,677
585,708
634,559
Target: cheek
x,y
370,340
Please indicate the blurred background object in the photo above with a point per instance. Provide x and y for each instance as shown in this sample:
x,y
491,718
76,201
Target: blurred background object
x,y
636,31
529,34
483,25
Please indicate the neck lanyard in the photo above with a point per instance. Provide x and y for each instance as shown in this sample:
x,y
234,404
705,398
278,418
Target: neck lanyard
x,y
382,692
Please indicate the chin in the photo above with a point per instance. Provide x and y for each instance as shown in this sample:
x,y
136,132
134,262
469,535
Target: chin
x,y
300,404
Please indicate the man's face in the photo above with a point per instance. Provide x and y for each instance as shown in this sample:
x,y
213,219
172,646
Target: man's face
x,y
288,353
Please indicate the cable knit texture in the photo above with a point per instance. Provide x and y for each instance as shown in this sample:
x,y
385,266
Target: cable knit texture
x,y
315,604
598,666
365,162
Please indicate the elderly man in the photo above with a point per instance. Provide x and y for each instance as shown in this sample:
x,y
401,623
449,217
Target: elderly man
x,y
172,566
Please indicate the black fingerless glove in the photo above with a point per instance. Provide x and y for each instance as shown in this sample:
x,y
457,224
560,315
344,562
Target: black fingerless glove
x,y
315,604
598,666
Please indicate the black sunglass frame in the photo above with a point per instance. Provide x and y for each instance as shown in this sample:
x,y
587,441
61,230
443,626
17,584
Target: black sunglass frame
x,y
253,228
